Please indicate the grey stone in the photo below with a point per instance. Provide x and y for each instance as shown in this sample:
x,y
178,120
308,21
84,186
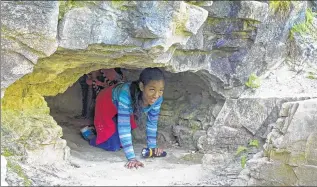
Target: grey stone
x,y
243,178
3,171
52,153
221,51
148,22
217,109
28,32
303,48
272,173
253,10
184,136
14,67
216,160
314,3
284,110
74,28
199,137
311,149
196,42
248,113
306,174
32,23
289,152
302,123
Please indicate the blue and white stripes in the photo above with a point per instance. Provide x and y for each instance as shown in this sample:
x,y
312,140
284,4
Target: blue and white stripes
x,y
122,99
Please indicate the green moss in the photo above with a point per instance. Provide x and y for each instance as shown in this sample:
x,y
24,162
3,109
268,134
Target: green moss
x,y
253,81
214,21
285,174
312,75
19,2
18,37
243,161
54,74
249,25
18,170
179,52
188,157
297,159
241,34
22,45
254,143
66,5
30,126
7,153
281,7
179,24
306,27
196,3
195,127
101,47
241,149
279,155
119,4
192,157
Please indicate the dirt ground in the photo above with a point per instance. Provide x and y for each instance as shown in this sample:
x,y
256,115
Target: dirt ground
x,y
94,166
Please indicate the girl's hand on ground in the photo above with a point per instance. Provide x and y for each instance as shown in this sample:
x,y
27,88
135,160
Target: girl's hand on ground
x,y
134,163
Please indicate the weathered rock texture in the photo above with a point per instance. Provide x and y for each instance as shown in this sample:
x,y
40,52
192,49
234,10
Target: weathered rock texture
x,y
290,149
48,45
3,171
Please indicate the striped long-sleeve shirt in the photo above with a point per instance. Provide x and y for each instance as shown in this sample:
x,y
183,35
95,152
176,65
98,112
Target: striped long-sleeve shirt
x,y
122,99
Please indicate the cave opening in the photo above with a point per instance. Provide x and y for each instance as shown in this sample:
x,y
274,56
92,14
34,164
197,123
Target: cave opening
x,y
187,111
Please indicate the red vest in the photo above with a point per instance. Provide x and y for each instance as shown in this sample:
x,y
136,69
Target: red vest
x,y
105,110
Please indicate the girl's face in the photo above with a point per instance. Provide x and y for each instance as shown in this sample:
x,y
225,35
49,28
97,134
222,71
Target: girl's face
x,y
152,91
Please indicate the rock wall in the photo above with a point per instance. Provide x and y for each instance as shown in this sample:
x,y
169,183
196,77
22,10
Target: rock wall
x,y
69,102
289,156
78,54
48,45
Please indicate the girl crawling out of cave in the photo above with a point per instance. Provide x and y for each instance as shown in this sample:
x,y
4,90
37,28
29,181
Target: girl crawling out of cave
x,y
119,109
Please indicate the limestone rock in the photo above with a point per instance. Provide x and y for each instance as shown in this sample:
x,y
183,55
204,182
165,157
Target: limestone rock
x,y
184,136
221,43
299,127
216,110
216,160
3,171
28,32
199,137
311,149
52,153
239,120
151,20
303,45
314,6
270,173
307,175
253,10
290,148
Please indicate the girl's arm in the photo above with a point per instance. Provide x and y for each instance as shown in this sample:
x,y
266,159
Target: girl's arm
x,y
151,124
124,126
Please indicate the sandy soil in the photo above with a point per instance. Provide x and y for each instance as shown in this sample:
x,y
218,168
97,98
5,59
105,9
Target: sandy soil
x,y
94,166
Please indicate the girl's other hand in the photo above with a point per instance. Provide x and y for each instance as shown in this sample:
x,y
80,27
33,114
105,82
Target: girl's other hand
x,y
134,163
